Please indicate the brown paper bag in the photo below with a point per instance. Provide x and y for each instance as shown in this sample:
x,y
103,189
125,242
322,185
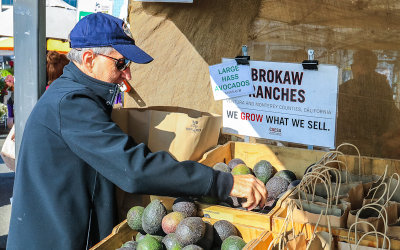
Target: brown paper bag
x,y
309,213
299,242
371,217
321,240
347,246
394,229
358,240
391,208
186,134
8,151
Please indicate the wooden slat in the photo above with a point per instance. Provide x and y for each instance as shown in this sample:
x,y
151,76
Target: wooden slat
x,y
120,234
234,215
262,242
218,212
220,154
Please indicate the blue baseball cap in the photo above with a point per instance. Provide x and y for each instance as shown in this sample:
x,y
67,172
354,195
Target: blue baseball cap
x,y
100,29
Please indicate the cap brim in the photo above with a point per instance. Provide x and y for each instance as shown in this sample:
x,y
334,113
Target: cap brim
x,y
133,53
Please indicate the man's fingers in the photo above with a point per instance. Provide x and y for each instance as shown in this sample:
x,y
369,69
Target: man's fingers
x,y
249,203
251,188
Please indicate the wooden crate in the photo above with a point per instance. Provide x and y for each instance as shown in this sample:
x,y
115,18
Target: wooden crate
x,y
123,233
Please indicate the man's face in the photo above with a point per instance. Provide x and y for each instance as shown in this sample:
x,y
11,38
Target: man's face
x,y
104,69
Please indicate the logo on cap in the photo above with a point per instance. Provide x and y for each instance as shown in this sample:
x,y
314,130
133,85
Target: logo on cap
x,y
126,28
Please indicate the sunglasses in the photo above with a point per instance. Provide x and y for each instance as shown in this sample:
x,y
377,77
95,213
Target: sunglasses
x,y
121,64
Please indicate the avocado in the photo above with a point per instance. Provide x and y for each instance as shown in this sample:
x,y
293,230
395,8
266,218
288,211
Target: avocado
x,y
235,161
263,170
232,201
222,167
233,243
241,169
149,243
275,186
190,231
186,206
209,200
192,247
293,184
134,218
139,236
171,243
152,217
171,221
287,175
157,237
130,244
222,230
207,241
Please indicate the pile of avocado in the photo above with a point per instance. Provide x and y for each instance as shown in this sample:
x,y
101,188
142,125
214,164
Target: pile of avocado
x,y
179,229
276,182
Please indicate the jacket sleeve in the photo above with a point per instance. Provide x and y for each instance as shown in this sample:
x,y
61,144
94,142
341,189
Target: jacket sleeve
x,y
91,134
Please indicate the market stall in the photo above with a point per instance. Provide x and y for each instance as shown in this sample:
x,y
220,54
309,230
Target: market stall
x,y
352,96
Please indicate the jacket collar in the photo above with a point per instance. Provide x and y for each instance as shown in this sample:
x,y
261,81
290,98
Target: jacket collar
x,y
107,91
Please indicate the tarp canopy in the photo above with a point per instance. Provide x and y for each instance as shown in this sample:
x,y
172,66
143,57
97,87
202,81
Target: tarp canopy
x,y
60,19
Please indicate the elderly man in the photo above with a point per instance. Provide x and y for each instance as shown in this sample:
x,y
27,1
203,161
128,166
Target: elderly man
x,y
72,153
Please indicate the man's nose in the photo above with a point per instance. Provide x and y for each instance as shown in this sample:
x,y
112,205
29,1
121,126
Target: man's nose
x,y
127,73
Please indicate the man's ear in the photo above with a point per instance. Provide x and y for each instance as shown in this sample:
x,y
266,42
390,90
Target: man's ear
x,y
88,60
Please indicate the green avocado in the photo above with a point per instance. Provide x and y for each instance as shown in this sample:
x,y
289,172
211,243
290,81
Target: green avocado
x,y
134,218
152,217
287,174
130,245
235,161
192,247
190,231
264,171
222,230
171,243
186,206
149,243
233,243
222,167
241,169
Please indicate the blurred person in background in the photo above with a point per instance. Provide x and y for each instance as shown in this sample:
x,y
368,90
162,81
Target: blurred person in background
x,y
55,65
9,80
366,108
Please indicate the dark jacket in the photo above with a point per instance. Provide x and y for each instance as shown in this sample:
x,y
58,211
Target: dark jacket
x,y
71,156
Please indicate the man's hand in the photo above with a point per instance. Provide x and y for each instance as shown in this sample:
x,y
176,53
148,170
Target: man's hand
x,y
251,188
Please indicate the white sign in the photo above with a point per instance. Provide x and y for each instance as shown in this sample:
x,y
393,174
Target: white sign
x,y
289,104
230,79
